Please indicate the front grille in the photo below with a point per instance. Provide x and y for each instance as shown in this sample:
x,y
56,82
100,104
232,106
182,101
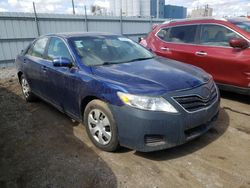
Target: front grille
x,y
193,103
153,140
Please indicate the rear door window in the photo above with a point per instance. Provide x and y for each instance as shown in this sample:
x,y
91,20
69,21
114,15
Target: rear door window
x,y
37,50
216,35
181,34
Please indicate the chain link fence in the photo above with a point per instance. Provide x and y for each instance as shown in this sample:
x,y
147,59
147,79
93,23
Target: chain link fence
x,y
17,30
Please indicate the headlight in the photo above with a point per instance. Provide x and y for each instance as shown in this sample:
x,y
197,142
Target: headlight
x,y
147,103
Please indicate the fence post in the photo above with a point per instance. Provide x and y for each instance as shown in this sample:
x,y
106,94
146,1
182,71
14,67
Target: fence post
x,y
36,20
121,22
73,7
86,19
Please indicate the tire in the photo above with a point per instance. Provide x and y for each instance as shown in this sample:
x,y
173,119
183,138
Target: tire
x,y
101,126
27,93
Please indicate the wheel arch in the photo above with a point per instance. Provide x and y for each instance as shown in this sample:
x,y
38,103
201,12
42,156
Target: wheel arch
x,y
19,74
84,103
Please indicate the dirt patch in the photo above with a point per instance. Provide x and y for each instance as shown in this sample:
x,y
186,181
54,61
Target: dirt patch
x,y
41,147
38,147
244,129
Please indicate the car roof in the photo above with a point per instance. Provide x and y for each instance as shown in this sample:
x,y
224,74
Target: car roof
x,y
233,19
239,19
194,19
81,34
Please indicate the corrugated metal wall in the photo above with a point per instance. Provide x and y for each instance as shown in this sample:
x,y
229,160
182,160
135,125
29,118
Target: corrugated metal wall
x,y
18,29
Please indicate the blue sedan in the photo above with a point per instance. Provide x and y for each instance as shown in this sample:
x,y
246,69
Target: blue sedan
x,y
124,94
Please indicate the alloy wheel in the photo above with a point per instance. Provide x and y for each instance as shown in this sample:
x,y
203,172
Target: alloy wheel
x,y
25,88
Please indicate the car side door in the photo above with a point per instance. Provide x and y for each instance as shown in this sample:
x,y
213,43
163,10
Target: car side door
x,y
63,82
33,64
215,56
176,42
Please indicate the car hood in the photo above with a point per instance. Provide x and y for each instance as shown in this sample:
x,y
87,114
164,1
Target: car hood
x,y
151,77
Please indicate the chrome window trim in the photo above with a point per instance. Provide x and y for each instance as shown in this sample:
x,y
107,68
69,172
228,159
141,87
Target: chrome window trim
x,y
198,24
156,34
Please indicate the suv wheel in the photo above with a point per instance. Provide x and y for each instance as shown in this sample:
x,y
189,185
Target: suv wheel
x,y
101,126
28,95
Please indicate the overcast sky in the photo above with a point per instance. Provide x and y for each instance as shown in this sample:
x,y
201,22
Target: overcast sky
x,y
221,7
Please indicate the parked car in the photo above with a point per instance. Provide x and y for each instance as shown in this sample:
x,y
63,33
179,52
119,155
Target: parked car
x,y
122,93
219,46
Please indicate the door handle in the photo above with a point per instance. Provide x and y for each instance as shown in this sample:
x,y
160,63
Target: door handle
x,y
44,68
201,53
165,49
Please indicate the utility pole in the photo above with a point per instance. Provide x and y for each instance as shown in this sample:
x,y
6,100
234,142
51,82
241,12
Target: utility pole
x,y
121,26
86,18
73,6
36,20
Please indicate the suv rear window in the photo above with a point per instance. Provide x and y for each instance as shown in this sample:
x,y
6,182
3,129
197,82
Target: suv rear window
x,y
179,34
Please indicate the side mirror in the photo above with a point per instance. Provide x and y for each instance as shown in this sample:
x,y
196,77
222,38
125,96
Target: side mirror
x,y
140,39
62,62
239,43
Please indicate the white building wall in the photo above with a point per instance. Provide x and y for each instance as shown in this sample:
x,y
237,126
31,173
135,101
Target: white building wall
x,y
136,8
130,7
124,7
202,12
117,7
112,7
145,8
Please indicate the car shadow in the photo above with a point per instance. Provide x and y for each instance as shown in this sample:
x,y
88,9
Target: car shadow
x,y
235,96
39,149
194,145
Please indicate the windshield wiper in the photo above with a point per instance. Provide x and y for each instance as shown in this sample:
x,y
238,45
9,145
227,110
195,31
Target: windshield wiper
x,y
109,63
106,63
140,59
117,62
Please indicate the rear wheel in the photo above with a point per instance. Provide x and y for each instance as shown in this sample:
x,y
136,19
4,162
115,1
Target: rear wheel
x,y
101,126
28,95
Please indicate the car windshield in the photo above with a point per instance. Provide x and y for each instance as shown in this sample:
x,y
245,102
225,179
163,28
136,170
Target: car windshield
x,y
105,50
245,25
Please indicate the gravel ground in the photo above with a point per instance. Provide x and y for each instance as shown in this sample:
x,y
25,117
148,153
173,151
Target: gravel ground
x,y
41,147
7,73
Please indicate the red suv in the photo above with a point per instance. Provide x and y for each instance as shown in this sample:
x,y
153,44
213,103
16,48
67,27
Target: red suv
x,y
219,46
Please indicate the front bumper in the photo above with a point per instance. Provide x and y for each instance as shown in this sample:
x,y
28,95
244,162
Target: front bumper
x,y
150,131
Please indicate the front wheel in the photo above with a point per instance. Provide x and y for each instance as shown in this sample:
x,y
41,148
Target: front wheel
x,y
28,95
101,126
